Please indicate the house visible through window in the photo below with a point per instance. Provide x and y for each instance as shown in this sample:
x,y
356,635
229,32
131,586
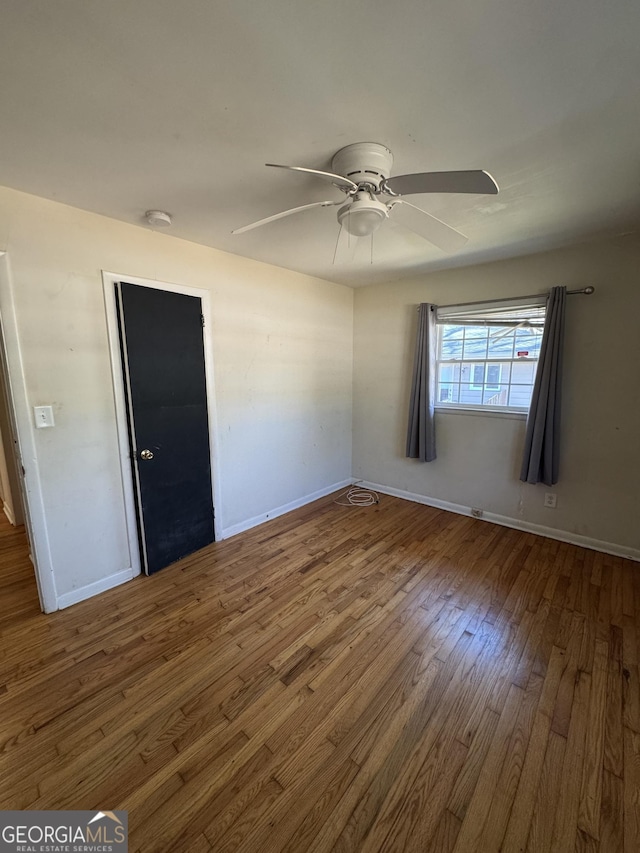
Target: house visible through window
x,y
488,354
487,375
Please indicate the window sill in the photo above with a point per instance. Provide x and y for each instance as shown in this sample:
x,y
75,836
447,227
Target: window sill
x,y
482,413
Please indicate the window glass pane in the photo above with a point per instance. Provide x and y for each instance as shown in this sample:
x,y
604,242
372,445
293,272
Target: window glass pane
x,y
451,338
493,376
500,342
528,341
451,348
452,331
496,396
520,395
470,394
505,373
448,372
475,331
523,371
475,342
448,392
477,376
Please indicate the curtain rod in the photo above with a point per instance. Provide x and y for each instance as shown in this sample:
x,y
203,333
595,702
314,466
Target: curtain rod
x,y
586,290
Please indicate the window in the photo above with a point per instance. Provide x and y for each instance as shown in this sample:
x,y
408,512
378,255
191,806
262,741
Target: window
x,y
488,354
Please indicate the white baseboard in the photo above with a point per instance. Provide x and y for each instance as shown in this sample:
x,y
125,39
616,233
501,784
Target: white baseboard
x,y
282,510
84,592
515,523
9,513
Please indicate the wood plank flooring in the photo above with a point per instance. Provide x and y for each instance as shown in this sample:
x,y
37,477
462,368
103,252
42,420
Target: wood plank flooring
x,y
391,678
18,591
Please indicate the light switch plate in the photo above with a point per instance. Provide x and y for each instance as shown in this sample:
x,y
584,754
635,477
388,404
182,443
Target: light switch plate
x,y
43,416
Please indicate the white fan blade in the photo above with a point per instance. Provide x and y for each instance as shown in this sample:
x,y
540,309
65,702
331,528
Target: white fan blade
x,y
338,180
284,213
471,181
346,245
425,225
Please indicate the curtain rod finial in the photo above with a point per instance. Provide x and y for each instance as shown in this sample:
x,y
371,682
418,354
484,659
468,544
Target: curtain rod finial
x,y
589,290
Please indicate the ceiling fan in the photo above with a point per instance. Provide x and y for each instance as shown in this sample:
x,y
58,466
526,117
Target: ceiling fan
x,y
362,171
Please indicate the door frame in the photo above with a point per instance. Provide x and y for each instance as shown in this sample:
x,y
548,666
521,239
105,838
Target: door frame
x,y
20,413
109,281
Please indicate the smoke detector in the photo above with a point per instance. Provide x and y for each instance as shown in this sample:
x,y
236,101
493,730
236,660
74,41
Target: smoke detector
x,y
158,218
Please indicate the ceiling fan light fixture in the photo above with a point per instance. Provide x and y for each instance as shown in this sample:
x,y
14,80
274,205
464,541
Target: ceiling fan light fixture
x,y
363,215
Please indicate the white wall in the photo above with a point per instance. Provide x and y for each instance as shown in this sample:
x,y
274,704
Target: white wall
x,y
479,456
283,376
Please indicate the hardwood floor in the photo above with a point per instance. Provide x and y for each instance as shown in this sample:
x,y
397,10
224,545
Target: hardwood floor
x,y
18,591
392,678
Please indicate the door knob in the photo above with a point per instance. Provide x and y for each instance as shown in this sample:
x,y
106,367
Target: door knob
x,y
146,454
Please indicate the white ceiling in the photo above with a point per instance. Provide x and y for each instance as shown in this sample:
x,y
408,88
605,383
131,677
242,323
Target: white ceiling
x,y
117,106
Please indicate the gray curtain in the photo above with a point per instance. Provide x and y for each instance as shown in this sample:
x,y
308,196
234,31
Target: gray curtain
x,y
541,458
421,433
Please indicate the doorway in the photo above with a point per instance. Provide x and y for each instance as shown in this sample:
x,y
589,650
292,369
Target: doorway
x,y
10,485
23,477
162,378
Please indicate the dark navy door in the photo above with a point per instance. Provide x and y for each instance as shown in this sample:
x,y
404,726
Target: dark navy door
x,y
162,350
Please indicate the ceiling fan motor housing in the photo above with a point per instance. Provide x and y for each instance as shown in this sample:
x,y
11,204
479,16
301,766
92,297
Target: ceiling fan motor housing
x,y
364,163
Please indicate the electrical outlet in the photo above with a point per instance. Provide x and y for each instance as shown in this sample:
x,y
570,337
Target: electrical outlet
x,y
476,512
550,500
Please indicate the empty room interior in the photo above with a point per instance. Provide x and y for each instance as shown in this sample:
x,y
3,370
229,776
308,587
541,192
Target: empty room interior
x,y
319,424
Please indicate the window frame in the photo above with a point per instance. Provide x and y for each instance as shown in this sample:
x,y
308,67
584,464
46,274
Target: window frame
x,y
529,313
